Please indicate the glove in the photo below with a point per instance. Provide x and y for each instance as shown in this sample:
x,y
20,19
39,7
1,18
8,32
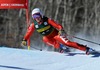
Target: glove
x,y
62,33
24,43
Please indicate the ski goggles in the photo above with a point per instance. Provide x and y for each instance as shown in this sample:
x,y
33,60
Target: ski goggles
x,y
36,16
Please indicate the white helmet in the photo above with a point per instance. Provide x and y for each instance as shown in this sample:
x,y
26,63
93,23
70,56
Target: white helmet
x,y
37,10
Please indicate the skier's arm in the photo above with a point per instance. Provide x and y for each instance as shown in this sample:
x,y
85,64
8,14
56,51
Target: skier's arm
x,y
29,32
55,24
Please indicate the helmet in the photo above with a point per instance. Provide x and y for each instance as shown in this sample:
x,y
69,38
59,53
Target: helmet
x,y
37,11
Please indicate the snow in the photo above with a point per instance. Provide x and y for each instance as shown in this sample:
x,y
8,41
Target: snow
x,y
21,59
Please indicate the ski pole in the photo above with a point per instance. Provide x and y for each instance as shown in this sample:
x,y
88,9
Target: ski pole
x,y
84,40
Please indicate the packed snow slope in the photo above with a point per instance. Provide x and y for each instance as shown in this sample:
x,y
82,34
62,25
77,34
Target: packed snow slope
x,y
20,59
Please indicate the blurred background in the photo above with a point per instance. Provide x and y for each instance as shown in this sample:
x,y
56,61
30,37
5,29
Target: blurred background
x,y
79,18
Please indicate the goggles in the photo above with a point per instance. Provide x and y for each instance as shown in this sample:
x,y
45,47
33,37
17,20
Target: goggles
x,y
36,15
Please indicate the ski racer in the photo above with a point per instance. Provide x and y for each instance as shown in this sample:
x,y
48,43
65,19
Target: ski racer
x,y
52,32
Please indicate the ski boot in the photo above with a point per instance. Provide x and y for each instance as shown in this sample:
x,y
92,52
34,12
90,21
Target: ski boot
x,y
89,51
63,48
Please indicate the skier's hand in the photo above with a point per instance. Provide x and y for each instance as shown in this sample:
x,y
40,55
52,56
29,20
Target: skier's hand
x,y
62,33
24,43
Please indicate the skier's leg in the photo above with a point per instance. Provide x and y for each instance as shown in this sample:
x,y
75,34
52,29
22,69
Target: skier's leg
x,y
51,42
55,44
66,42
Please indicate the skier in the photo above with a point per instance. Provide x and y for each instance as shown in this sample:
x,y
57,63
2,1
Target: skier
x,y
52,32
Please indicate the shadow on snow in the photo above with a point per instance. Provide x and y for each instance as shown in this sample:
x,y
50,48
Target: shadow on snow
x,y
96,54
13,67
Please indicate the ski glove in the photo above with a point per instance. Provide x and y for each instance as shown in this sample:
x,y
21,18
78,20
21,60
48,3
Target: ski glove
x,y
62,33
24,43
